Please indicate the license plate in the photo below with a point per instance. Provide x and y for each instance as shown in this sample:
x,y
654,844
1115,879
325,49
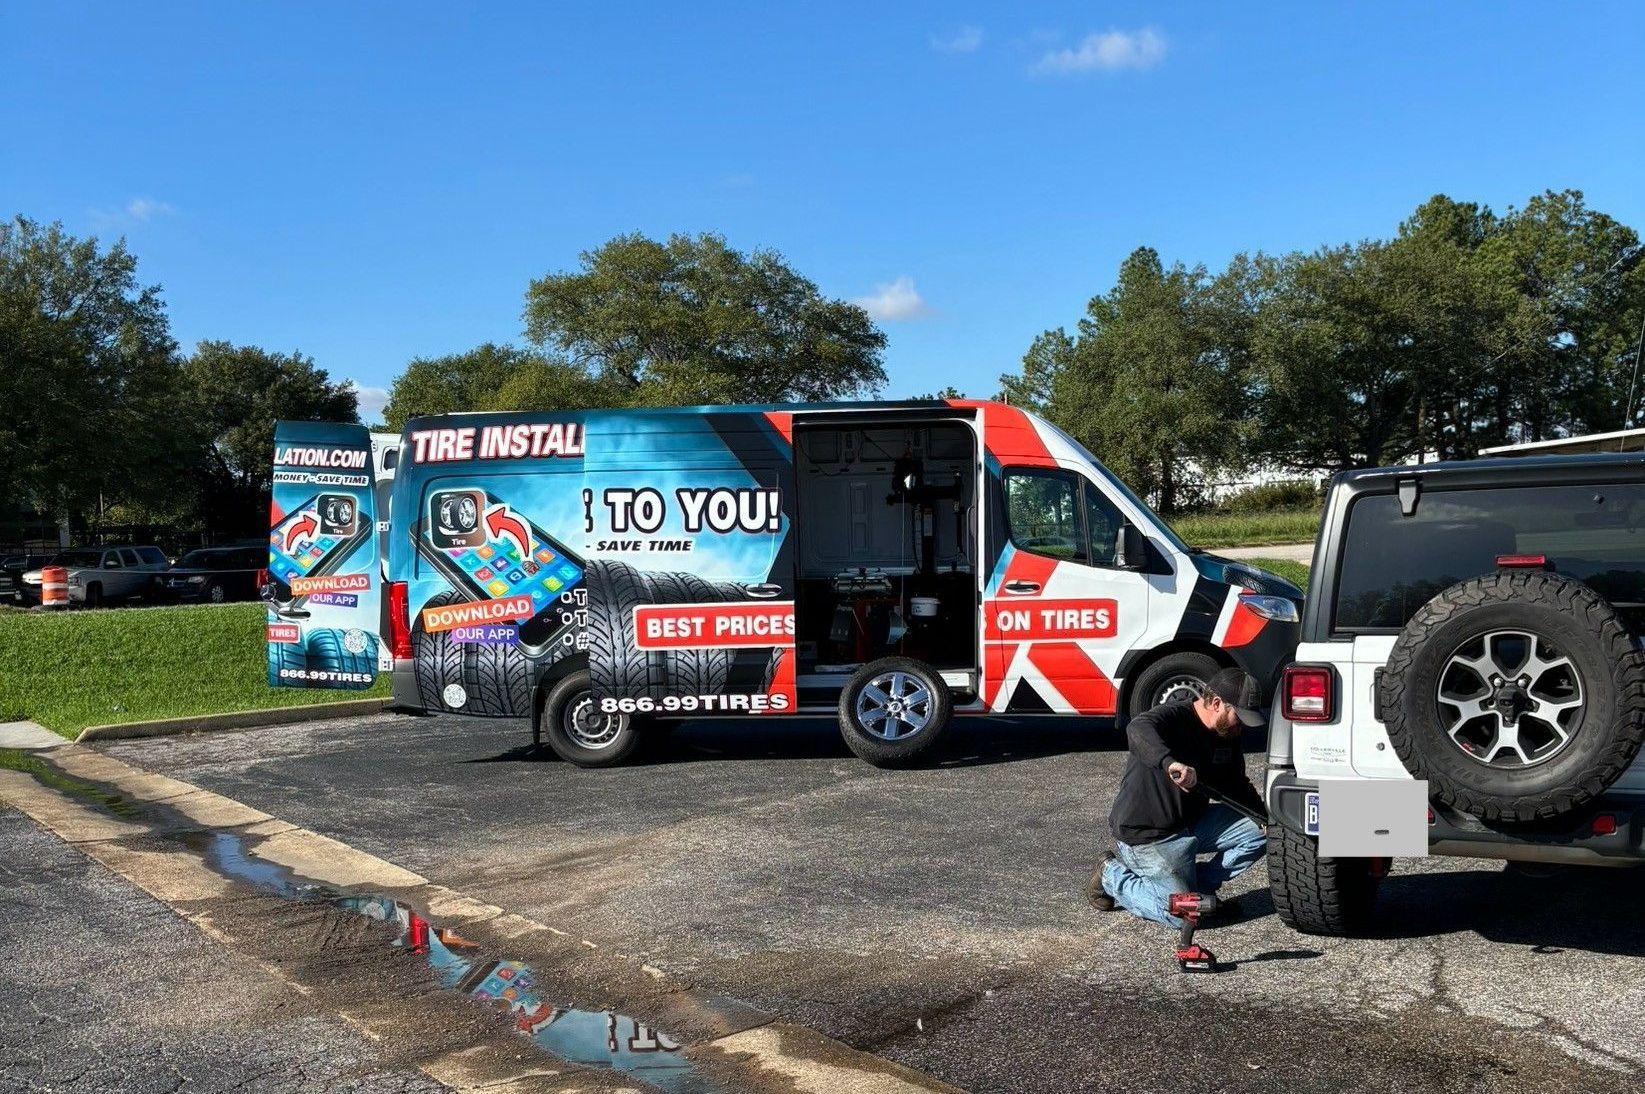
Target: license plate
x,y
1310,813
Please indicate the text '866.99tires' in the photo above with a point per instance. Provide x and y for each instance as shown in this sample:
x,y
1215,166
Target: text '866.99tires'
x,y
893,709
1518,695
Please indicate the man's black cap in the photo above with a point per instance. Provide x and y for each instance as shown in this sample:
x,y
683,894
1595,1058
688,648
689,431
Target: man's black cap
x,y
1240,691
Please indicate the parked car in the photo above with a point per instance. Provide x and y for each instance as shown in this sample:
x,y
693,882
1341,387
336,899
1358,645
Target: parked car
x,y
216,574
1469,675
97,575
12,570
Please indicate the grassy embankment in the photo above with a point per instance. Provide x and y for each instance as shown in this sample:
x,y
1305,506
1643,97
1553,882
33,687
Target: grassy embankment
x,y
69,670
1215,530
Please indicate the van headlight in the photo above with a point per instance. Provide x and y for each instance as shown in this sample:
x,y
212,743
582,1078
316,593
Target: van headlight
x,y
1277,608
74,579
196,580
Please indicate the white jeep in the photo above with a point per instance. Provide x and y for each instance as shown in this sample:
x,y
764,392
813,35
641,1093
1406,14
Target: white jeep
x,y
1469,675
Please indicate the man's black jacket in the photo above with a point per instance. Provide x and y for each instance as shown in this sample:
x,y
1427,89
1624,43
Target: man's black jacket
x,y
1149,806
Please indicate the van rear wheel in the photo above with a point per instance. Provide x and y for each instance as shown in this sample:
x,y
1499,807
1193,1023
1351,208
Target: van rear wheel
x,y
582,734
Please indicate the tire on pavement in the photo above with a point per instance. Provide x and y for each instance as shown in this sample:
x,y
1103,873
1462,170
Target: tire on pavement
x,y
893,709
1314,895
1175,671
1559,712
578,732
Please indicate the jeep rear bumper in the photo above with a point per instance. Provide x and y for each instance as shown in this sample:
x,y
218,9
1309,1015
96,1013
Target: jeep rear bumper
x,y
1573,838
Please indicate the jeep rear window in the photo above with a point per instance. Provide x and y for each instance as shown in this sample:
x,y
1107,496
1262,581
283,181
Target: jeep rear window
x,y
1393,564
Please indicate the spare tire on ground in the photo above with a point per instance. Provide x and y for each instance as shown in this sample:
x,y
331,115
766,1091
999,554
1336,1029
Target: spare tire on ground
x,y
1518,695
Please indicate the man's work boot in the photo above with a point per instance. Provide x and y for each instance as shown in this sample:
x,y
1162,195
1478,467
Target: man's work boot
x,y
1094,892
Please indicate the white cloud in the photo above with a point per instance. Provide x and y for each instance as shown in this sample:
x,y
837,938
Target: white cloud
x,y
372,400
1111,51
961,40
894,302
146,209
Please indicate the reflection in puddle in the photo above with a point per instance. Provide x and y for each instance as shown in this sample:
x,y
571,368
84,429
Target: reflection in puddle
x,y
595,1039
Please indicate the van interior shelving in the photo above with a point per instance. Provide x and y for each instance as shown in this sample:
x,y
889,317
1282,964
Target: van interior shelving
x,y
887,549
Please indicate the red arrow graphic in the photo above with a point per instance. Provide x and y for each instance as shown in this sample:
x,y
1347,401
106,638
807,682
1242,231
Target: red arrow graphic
x,y
305,526
500,522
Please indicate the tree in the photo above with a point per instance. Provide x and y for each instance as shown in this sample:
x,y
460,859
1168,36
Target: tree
x,y
493,377
236,394
88,376
949,392
1147,382
694,321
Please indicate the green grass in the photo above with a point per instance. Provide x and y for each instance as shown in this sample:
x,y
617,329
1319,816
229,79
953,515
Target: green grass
x,y
1212,530
1294,572
70,670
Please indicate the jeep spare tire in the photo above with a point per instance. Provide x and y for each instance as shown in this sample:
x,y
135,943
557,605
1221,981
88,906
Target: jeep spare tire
x,y
1518,695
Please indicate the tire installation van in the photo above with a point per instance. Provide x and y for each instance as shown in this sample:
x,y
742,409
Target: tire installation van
x,y
893,563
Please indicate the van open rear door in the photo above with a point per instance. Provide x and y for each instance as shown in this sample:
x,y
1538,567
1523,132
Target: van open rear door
x,y
691,566
325,578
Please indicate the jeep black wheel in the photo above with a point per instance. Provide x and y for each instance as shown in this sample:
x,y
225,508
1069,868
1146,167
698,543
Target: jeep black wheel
x,y
579,732
1333,896
893,709
1517,695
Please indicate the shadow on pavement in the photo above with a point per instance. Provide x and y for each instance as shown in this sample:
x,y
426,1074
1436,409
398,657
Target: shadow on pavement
x,y
1576,908
969,742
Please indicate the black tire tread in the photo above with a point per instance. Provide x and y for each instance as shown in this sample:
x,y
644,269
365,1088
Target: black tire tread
x,y
892,753
1317,895
1568,597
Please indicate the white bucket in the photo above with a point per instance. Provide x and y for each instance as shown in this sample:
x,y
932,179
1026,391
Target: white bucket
x,y
923,607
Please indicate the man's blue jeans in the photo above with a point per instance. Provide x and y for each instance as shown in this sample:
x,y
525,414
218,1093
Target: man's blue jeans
x,y
1141,878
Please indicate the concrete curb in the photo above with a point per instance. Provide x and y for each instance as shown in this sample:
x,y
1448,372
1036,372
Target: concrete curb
x,y
238,719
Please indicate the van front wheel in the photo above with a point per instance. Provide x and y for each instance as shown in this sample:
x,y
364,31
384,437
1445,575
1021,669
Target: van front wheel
x,y
1175,678
579,732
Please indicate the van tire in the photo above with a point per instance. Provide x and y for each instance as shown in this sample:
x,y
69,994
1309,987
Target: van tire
x,y
695,671
1175,666
559,705
1329,896
436,661
288,656
1576,622
937,711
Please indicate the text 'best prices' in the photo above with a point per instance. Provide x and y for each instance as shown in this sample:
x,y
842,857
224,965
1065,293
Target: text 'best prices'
x,y
720,626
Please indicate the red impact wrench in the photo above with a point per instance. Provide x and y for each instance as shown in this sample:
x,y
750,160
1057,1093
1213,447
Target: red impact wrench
x,y
1188,907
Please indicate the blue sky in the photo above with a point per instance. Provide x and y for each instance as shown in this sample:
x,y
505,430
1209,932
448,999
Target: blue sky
x,y
372,182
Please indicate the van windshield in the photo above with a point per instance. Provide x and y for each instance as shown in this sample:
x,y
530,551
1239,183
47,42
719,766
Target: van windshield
x,y
1113,480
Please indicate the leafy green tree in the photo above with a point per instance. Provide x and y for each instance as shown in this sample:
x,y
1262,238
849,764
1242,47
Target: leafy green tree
x,y
694,321
88,376
949,392
493,377
236,394
1146,382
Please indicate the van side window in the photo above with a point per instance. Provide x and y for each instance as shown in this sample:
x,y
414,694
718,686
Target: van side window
x,y
129,557
1042,511
1103,522
111,560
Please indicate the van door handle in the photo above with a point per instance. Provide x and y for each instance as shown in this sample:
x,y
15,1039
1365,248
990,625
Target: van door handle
x,y
765,592
1022,586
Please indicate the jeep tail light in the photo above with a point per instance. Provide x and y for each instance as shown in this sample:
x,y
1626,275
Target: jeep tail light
x,y
1305,694
399,621
1522,562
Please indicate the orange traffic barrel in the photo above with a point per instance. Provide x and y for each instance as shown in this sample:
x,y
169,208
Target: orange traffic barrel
x,y
54,587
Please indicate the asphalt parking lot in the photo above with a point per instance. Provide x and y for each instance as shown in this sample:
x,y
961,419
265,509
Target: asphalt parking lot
x,y
935,916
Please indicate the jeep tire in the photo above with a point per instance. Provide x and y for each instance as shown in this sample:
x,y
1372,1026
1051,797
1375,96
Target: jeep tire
x,y
1533,744
1314,895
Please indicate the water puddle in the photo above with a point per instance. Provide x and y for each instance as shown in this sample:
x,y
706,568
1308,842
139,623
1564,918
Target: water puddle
x,y
593,1039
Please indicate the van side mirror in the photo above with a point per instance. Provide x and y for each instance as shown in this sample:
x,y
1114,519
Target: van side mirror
x,y
1130,548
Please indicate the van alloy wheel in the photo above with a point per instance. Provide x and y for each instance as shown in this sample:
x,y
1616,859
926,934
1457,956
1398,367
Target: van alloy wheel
x,y
893,706
1510,698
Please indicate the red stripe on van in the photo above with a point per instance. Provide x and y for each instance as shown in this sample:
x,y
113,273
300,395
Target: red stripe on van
x,y
1243,627
1010,436
1073,674
782,422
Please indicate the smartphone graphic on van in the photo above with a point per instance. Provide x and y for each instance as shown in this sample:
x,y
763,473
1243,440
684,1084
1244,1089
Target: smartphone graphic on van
x,y
488,551
316,538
